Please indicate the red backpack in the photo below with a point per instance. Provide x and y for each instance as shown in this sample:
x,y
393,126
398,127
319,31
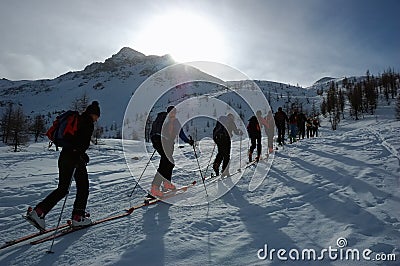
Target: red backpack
x,y
63,131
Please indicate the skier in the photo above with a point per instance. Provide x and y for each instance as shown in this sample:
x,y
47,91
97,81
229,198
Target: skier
x,y
222,134
72,156
315,126
269,131
301,124
254,130
309,126
293,127
163,140
280,121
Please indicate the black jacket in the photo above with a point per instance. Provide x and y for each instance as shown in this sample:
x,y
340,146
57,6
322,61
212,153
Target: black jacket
x,y
253,128
281,119
83,135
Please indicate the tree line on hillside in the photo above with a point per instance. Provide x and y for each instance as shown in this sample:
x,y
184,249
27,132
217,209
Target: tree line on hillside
x,y
362,96
18,128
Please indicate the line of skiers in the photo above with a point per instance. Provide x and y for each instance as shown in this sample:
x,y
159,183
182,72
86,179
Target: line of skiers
x,y
299,126
163,136
165,129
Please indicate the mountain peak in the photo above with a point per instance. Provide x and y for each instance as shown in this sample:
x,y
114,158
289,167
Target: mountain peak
x,y
127,53
125,57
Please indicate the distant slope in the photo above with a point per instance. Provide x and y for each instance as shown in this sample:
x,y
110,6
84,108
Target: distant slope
x,y
324,80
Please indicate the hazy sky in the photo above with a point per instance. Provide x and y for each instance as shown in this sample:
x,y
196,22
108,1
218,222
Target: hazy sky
x,y
290,41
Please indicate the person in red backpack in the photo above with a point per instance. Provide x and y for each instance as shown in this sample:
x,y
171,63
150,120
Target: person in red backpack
x,y
73,160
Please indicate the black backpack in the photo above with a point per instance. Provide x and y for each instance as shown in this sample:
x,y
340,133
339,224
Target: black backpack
x,y
280,118
219,129
253,126
157,124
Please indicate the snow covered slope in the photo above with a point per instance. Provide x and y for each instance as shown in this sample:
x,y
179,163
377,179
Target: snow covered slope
x,y
342,186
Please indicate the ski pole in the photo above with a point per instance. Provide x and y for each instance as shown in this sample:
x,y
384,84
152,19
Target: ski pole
x,y
209,161
248,147
240,153
130,195
201,174
62,210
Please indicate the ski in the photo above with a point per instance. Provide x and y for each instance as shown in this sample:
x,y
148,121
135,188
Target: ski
x,y
213,177
70,229
31,236
127,212
169,194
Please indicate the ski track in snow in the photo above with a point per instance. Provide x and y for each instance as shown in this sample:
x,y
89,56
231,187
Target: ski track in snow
x,y
341,184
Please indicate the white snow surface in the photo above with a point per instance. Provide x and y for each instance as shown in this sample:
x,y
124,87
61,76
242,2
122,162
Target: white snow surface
x,y
342,184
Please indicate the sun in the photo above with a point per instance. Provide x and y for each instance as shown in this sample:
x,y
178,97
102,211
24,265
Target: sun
x,y
184,35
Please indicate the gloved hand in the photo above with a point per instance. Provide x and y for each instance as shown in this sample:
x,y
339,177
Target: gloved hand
x,y
191,142
85,158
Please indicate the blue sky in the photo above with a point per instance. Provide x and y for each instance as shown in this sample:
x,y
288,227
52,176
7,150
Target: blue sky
x,y
289,41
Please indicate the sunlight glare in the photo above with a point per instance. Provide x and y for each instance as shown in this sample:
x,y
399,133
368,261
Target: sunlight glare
x,y
185,36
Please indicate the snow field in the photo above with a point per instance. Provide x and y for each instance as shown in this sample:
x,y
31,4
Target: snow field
x,y
343,184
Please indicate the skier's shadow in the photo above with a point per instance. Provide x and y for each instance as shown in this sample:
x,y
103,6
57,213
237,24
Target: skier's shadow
x,y
253,216
151,249
156,222
346,210
270,233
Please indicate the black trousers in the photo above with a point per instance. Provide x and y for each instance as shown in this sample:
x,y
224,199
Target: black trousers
x,y
281,135
310,132
302,130
255,142
166,150
224,152
67,162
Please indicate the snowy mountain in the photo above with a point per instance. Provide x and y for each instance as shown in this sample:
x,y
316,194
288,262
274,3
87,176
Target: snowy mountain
x,y
115,80
111,82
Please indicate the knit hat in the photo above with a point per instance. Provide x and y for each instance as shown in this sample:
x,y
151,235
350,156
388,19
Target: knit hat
x,y
170,108
93,108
